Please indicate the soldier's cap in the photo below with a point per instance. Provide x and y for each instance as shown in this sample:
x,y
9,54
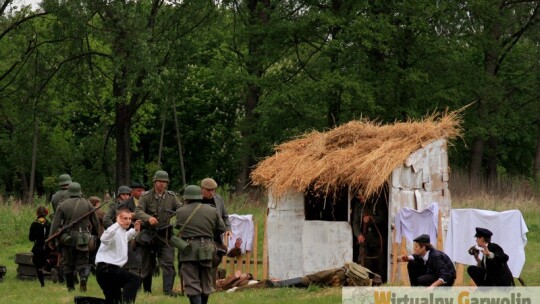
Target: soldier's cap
x,y
209,183
423,239
482,232
137,184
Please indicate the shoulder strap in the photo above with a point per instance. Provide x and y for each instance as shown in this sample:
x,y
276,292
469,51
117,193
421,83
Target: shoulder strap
x,y
188,219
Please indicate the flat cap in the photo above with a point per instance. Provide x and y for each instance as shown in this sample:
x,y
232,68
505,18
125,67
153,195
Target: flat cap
x,y
209,183
483,232
137,184
424,239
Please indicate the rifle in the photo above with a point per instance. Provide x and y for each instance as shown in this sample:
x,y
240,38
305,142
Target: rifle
x,y
76,221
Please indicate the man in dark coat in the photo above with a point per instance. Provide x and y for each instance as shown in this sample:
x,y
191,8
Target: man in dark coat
x,y
370,228
199,223
155,209
75,255
492,269
429,266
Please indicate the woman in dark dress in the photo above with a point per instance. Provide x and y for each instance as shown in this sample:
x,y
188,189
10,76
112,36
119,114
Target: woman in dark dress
x,y
39,232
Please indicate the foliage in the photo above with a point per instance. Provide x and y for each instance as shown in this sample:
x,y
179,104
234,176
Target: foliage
x,y
93,81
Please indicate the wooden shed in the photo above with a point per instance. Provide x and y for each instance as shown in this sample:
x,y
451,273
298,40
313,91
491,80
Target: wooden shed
x,y
311,180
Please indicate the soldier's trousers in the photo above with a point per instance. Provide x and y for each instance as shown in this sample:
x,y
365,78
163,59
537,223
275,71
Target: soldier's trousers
x,y
165,256
75,260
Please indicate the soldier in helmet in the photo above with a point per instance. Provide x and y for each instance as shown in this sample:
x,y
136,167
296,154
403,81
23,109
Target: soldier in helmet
x,y
63,181
125,201
75,255
200,223
155,209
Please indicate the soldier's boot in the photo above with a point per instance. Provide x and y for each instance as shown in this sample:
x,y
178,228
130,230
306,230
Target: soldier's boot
x,y
195,299
61,275
84,273
147,283
70,284
41,278
294,282
75,277
168,283
204,298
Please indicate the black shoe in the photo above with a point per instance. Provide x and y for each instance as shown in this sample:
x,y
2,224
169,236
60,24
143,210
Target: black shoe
x,y
82,286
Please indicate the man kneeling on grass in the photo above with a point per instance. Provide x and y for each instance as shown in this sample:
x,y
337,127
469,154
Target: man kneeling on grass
x,y
118,284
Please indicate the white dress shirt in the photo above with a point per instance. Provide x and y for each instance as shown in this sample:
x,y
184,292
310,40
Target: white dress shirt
x,y
114,245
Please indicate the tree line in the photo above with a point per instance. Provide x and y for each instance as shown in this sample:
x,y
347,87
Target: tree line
x,y
110,91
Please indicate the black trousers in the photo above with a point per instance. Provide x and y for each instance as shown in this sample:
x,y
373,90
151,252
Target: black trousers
x,y
477,274
418,276
118,284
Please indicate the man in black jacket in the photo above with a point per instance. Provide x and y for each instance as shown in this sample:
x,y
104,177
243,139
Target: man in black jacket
x,y
492,269
429,266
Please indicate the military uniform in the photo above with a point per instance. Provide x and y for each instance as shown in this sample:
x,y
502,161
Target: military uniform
x,y
372,253
75,257
199,233
162,208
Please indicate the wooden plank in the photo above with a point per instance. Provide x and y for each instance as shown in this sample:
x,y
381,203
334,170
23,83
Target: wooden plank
x,y
395,256
265,249
404,272
255,271
459,274
440,234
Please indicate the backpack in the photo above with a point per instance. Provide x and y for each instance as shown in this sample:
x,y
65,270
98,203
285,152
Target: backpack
x,y
361,276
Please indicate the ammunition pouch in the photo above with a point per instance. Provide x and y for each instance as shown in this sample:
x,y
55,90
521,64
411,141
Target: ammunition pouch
x,y
83,238
181,244
66,239
205,253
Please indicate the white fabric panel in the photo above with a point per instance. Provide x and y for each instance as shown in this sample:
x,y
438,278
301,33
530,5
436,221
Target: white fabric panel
x,y
241,227
509,231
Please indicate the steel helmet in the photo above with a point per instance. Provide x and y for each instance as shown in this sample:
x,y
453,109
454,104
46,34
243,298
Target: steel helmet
x,y
64,180
124,190
192,193
74,190
161,176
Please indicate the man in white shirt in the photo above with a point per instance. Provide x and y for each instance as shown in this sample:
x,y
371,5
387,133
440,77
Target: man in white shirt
x,y
118,284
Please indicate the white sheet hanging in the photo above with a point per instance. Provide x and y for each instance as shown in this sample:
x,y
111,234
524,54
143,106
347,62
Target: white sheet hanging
x,y
412,223
241,227
509,231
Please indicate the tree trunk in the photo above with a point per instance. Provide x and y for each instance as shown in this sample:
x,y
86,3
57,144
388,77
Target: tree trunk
x,y
475,164
123,144
259,15
493,160
34,156
537,156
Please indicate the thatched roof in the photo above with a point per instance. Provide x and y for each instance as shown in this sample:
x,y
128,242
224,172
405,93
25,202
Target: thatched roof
x,y
360,154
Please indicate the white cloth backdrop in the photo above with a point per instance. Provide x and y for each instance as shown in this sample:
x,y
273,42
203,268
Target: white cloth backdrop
x,y
509,231
241,227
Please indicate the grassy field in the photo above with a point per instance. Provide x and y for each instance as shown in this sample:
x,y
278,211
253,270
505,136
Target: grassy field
x,y
15,220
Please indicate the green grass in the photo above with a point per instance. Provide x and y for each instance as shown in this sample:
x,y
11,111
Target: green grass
x,y
15,221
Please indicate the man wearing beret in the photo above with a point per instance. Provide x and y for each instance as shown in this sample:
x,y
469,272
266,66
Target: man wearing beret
x,y
429,266
492,268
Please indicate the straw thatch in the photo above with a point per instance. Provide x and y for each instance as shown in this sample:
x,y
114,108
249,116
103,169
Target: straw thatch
x,y
360,154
